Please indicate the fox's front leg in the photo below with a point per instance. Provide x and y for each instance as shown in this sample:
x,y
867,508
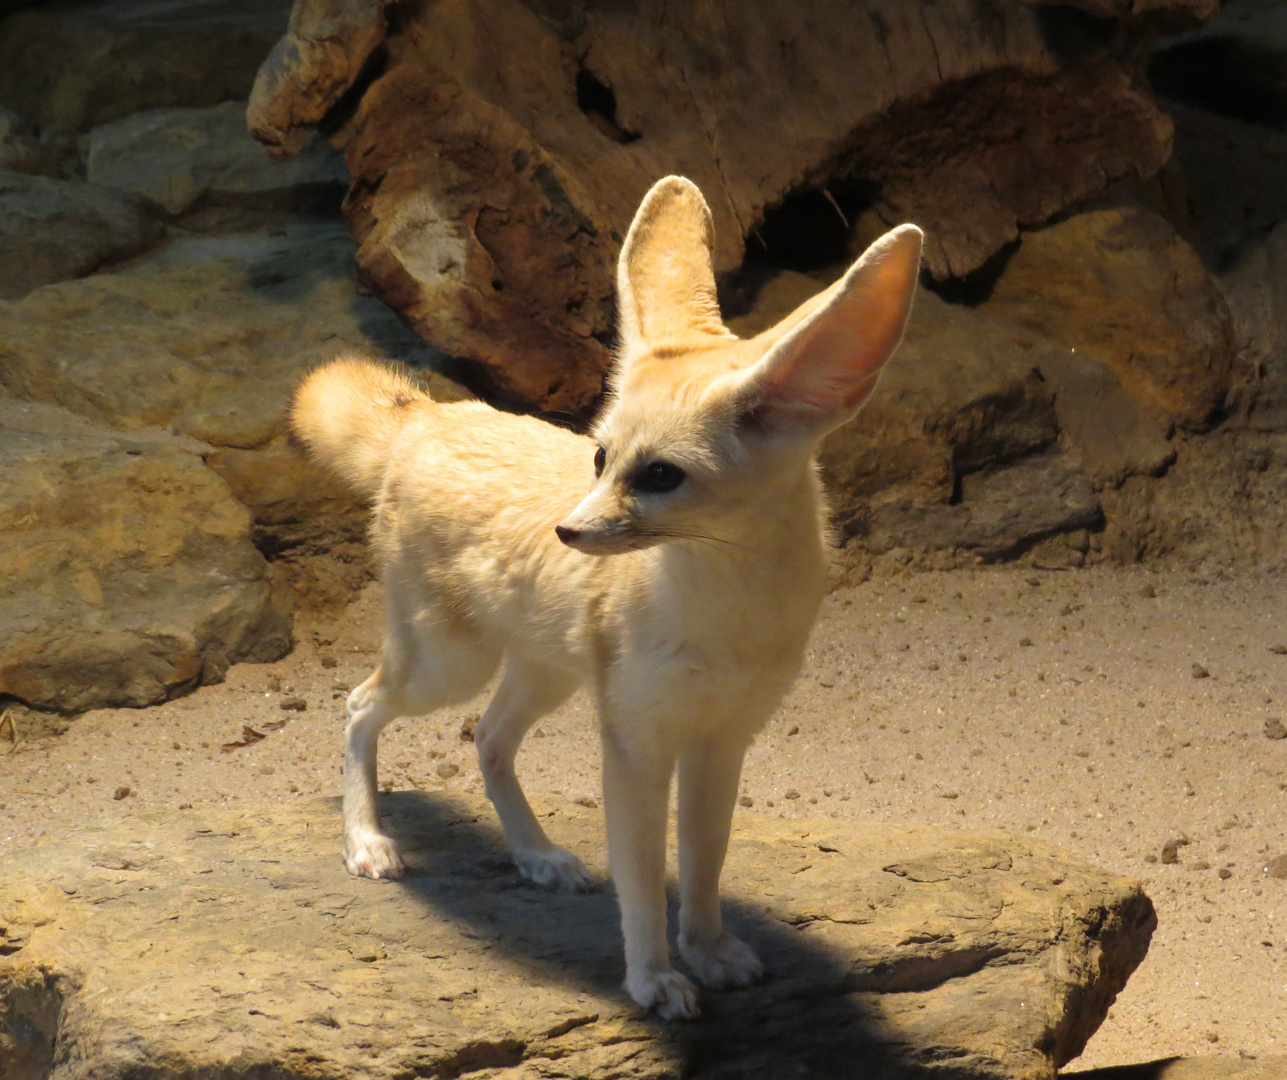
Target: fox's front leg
x,y
709,770
636,790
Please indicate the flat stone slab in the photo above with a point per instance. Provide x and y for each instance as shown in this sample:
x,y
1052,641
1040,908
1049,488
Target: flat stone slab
x,y
233,944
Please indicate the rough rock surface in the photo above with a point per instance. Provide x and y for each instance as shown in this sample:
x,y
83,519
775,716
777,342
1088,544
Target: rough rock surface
x,y
68,66
1001,512
209,339
128,570
176,157
1121,285
53,230
235,944
499,151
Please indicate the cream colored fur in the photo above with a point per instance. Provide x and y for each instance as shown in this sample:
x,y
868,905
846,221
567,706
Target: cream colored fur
x,y
686,610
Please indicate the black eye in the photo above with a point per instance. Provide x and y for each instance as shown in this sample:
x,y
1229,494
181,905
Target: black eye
x,y
600,459
658,477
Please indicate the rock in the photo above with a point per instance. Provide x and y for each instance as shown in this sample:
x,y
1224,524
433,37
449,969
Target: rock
x,y
215,942
1122,286
177,157
19,151
129,574
1274,728
498,155
53,230
1001,513
1233,173
323,53
212,347
1233,65
68,67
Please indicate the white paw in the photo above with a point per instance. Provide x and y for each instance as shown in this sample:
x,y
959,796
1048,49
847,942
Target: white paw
x,y
672,995
556,869
726,963
372,855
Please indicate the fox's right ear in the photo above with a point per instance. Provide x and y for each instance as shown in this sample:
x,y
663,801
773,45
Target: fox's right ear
x,y
665,283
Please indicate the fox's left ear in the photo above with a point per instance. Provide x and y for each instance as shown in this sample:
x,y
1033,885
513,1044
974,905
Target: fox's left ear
x,y
829,352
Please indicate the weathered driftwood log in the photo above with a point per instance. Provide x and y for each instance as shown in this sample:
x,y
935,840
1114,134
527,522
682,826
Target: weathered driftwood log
x,y
234,944
497,150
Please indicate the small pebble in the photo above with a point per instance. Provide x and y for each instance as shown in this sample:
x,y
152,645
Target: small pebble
x,y
467,726
120,793
1171,850
274,684
1148,592
1278,650
792,794
932,666
293,704
746,800
1274,728
447,770
1225,873
587,801
795,730
1199,672
330,662
1277,868
1025,641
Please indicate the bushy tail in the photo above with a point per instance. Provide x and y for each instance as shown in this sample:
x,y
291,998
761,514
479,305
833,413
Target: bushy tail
x,y
347,414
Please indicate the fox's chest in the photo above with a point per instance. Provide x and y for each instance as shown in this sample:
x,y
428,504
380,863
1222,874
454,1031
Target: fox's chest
x,y
744,620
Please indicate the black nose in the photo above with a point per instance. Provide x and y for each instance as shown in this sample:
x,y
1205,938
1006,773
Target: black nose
x,y
565,534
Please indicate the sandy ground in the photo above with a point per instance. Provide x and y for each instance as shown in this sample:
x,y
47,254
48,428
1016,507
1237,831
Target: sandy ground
x,y
1063,704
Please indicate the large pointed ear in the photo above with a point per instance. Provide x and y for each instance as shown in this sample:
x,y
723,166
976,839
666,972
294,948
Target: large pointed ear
x,y
665,285
830,351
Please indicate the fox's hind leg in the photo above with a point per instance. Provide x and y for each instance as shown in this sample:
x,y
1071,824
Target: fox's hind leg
x,y
430,660
527,692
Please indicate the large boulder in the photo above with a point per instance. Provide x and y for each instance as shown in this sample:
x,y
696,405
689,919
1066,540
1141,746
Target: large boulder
x,y
128,569
234,944
175,158
498,151
1122,286
53,230
209,339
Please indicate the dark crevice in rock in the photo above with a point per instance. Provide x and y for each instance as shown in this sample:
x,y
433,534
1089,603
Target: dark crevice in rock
x,y
344,109
596,99
1224,74
976,287
1074,35
810,230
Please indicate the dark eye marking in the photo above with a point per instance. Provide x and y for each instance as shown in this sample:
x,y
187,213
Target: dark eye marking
x,y
600,459
658,477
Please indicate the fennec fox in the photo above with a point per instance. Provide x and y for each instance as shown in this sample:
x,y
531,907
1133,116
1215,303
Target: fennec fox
x,y
675,561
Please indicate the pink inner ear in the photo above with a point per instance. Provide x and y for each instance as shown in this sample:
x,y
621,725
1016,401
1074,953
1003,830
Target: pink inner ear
x,y
835,367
